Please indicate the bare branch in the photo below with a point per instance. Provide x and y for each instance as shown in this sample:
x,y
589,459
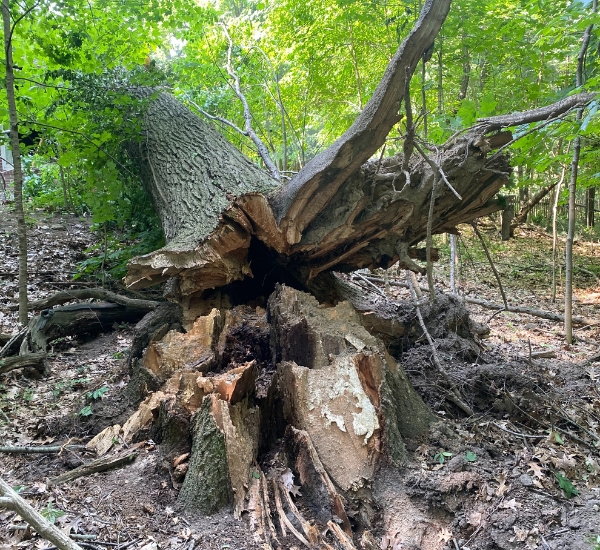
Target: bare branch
x,y
260,146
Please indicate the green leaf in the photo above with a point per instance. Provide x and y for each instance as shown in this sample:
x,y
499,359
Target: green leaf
x,y
255,475
568,488
86,411
470,456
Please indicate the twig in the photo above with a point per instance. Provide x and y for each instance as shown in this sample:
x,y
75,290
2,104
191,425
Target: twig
x,y
262,149
41,450
98,465
437,169
12,501
489,257
370,283
518,434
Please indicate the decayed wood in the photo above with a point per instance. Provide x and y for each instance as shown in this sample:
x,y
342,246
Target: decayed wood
x,y
534,312
12,501
99,465
98,293
13,342
35,360
283,517
336,501
80,319
41,450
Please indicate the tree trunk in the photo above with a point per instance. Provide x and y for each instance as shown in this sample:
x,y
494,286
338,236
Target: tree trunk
x,y
590,205
17,165
254,363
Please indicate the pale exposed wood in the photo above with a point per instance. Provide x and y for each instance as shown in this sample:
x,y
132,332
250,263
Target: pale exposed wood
x,y
344,539
284,519
311,532
11,500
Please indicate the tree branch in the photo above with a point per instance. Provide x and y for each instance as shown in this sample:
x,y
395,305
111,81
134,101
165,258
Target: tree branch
x,y
261,147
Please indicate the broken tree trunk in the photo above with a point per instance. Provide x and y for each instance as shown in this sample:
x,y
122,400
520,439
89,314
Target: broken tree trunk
x,y
239,379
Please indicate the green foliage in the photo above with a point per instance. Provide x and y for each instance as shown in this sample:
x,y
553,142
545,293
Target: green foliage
x,y
441,456
470,456
51,513
86,411
568,487
97,393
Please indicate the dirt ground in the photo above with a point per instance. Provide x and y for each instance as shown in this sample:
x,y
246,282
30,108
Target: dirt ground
x,y
522,472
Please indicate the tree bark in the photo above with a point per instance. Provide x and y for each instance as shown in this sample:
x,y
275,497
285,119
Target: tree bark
x,y
17,165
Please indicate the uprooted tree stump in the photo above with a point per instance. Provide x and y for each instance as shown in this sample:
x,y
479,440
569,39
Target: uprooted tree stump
x,y
297,380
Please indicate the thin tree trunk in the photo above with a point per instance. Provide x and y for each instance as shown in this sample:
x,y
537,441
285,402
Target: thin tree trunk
x,y
453,261
18,169
554,230
573,188
590,201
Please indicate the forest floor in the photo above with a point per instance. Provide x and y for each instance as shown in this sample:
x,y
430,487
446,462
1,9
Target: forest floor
x,y
523,472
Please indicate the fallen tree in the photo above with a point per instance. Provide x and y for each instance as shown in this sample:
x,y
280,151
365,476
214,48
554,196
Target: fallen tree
x,y
252,362
266,350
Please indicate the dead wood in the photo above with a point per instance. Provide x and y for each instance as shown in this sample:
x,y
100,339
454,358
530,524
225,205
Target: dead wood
x,y
80,319
283,519
98,465
12,501
533,312
34,360
521,216
537,115
41,450
514,309
13,343
97,293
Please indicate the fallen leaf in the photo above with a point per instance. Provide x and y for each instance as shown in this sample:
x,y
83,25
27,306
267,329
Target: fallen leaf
x,y
503,487
537,469
287,478
445,535
520,534
512,504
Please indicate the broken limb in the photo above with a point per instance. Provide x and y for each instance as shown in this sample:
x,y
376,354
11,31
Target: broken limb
x,y
489,257
98,293
41,450
10,500
99,465
35,360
